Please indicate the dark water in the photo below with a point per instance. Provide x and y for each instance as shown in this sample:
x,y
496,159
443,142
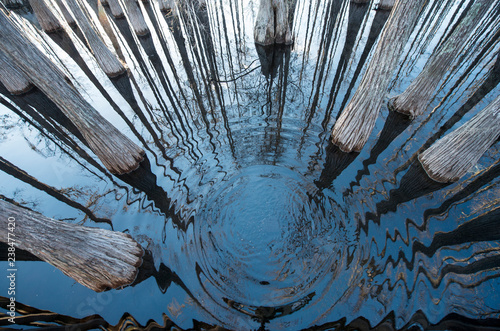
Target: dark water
x,y
251,218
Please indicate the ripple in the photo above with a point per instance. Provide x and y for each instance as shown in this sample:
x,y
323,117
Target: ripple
x,y
262,238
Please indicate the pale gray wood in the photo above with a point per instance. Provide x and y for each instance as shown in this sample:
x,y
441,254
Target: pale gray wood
x,y
116,9
106,59
136,18
271,25
356,122
452,156
96,258
415,99
117,152
66,14
386,4
47,19
14,80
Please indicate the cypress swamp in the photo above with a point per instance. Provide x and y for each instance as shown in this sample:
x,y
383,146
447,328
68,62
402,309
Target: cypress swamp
x,y
250,164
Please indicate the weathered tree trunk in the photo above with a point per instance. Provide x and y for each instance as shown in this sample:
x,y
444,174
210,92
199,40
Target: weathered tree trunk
x,y
14,80
415,99
453,155
386,4
45,16
96,258
356,122
118,153
67,16
106,59
271,26
115,8
136,18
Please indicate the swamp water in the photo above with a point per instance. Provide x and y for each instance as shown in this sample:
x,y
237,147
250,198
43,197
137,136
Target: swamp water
x,y
250,217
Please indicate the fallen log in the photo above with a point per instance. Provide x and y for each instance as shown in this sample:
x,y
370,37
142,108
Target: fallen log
x,y
452,156
96,258
356,122
117,152
417,96
14,80
106,59
48,21
271,25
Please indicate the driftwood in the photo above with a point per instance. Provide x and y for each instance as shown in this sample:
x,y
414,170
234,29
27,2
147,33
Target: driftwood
x,y
136,18
115,8
356,122
415,99
117,152
48,21
96,258
271,26
106,59
14,80
453,155
386,4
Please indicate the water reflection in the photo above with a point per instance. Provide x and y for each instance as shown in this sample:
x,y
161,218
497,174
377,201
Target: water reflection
x,y
251,218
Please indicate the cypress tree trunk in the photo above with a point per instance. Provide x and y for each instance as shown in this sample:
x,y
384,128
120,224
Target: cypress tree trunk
x,y
271,26
118,153
14,80
386,4
115,8
45,16
352,129
415,99
453,155
96,258
106,59
136,18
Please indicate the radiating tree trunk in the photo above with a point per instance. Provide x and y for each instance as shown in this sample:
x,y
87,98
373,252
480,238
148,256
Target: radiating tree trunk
x,y
386,4
355,124
106,59
115,8
14,80
166,5
136,18
45,16
271,26
67,15
118,153
452,156
96,258
13,4
415,99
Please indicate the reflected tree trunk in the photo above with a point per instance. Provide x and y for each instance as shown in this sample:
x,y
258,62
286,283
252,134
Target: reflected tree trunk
x,y
414,100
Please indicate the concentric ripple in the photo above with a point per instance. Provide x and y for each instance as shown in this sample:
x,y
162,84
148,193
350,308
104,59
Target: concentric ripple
x,y
262,238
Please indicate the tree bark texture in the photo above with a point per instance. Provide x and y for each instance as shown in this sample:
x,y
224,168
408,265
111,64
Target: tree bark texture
x,y
106,59
115,8
136,18
271,26
415,99
452,156
45,16
66,14
386,4
96,258
117,152
14,80
356,122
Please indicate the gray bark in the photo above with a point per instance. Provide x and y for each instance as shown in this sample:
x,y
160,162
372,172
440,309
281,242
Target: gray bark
x,y
14,80
136,18
118,153
452,156
415,99
386,4
45,16
106,59
115,8
271,26
67,16
96,258
355,124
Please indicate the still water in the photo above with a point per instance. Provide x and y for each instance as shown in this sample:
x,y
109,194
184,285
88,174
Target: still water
x,y
250,217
